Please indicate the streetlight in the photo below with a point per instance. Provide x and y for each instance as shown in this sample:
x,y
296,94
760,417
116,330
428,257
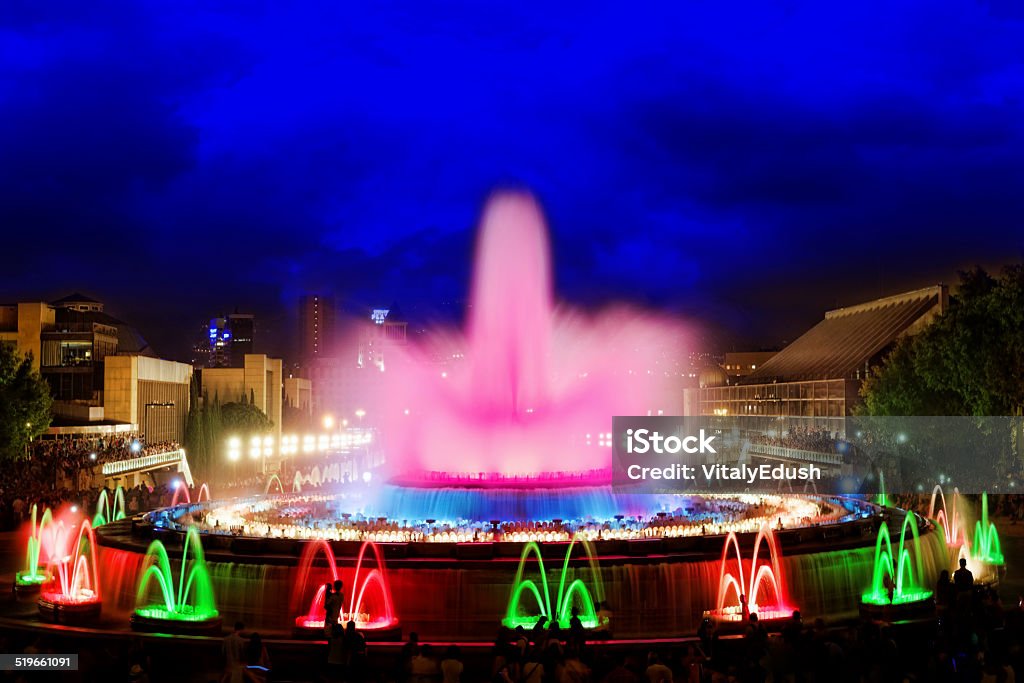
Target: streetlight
x,y
328,422
360,413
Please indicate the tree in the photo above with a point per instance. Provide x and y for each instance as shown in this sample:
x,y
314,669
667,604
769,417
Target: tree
x,y
968,362
195,437
24,402
243,419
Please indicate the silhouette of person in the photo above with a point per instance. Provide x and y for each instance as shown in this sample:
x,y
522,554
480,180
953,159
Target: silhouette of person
x,y
963,578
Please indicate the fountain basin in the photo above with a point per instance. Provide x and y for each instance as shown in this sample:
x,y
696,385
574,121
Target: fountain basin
x,y
26,584
912,605
377,630
58,608
185,621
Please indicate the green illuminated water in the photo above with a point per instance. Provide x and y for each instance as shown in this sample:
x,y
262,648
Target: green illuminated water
x,y
571,594
32,576
192,600
986,547
107,511
901,572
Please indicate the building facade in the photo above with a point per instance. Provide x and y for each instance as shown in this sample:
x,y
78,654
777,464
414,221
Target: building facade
x,y
815,381
743,363
258,380
101,372
22,325
149,392
317,318
298,394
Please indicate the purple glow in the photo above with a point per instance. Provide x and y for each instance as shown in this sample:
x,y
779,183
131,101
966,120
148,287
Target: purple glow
x,y
536,379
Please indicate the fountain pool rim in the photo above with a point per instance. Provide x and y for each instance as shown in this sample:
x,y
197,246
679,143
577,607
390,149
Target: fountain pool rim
x,y
135,534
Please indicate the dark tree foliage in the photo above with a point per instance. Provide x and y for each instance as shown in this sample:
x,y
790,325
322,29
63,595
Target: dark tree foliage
x,y
24,402
243,419
210,424
968,362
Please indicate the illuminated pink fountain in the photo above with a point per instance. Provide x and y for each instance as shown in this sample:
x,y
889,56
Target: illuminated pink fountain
x,y
763,573
370,604
72,593
530,388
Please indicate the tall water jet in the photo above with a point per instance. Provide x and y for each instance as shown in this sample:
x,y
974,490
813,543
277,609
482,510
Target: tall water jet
x,y
72,593
538,383
29,580
738,598
188,608
508,373
574,595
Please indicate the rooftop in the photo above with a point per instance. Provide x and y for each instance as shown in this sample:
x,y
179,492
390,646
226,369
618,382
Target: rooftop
x,y
851,338
75,298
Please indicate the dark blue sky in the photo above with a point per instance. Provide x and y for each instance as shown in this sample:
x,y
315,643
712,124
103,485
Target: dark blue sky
x,y
746,164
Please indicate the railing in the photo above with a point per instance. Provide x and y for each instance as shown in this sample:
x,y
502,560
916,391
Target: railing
x,y
796,454
143,462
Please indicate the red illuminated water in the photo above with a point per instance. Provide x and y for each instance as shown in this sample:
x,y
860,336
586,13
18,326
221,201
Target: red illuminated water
x,y
74,579
763,573
370,604
181,491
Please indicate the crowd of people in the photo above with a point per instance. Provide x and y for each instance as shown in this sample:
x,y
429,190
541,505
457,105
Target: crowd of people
x,y
61,471
813,439
73,453
974,639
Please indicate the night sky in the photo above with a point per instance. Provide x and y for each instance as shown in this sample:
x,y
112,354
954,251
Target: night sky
x,y
742,165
